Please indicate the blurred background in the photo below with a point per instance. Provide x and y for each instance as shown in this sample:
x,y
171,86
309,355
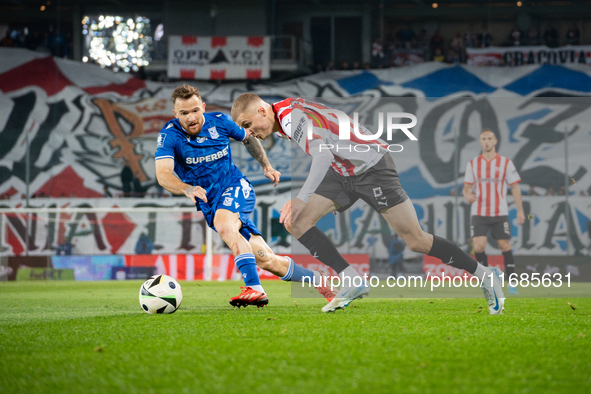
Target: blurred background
x,y
85,89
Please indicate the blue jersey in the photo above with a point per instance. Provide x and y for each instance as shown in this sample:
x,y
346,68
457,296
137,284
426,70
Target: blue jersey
x,y
204,159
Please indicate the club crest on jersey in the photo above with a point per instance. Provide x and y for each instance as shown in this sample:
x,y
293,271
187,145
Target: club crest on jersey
x,y
377,192
213,132
160,140
228,201
200,139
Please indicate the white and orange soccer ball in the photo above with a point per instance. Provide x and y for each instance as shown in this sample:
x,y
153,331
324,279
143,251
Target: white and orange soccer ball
x,y
160,294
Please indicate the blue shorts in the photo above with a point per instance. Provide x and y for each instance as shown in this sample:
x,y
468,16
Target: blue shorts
x,y
239,197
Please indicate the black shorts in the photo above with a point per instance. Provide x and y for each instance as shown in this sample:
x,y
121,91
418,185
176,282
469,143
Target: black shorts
x,y
379,186
501,229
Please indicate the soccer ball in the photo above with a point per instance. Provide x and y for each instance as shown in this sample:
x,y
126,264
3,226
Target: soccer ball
x,y
160,294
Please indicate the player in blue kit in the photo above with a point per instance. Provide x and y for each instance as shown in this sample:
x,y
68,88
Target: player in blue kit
x,y
196,147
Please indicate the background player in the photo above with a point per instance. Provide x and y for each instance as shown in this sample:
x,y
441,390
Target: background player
x,y
196,147
338,178
490,173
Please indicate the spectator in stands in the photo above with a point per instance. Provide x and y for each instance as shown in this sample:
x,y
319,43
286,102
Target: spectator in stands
x,y
377,53
356,65
470,40
106,191
484,39
457,43
551,37
423,41
453,57
126,180
318,68
561,190
7,41
437,42
366,65
532,191
406,37
144,245
515,37
65,247
438,56
533,36
572,36
345,65
138,189
550,191
330,66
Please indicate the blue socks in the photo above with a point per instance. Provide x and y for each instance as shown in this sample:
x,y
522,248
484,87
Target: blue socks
x,y
297,273
247,265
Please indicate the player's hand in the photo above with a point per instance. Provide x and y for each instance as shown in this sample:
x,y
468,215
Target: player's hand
x,y
285,213
196,192
520,217
272,174
471,197
297,206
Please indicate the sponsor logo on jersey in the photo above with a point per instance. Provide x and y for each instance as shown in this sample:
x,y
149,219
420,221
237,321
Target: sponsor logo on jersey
x,y
160,140
170,125
377,192
228,201
245,187
298,132
213,132
208,158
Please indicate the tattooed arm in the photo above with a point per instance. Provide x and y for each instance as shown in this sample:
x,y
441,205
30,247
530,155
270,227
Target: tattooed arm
x,y
256,150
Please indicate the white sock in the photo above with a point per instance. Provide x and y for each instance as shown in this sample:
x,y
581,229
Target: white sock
x,y
347,276
481,272
258,288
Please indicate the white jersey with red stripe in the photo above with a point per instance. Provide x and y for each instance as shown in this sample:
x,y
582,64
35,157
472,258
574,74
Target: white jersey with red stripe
x,y
490,179
349,158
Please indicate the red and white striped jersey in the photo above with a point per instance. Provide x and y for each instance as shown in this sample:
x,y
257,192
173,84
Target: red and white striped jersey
x,y
490,179
350,158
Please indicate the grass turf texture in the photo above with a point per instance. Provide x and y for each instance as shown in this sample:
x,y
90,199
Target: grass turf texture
x,y
93,338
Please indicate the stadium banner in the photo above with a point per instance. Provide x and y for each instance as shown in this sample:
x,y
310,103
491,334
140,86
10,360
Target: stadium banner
x,y
45,274
520,55
84,123
219,58
554,227
89,267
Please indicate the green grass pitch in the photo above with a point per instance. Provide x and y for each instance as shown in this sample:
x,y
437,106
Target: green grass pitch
x,y
77,337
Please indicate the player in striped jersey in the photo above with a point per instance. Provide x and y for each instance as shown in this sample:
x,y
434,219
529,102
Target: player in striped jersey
x,y
488,175
343,171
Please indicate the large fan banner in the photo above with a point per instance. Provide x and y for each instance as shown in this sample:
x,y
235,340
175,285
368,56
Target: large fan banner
x,y
219,58
520,55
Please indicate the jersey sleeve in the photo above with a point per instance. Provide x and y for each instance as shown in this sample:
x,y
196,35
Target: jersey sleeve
x,y
469,175
512,174
234,131
164,146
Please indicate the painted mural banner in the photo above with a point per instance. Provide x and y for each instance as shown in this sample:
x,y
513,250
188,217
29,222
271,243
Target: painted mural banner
x,y
555,226
219,58
520,55
82,124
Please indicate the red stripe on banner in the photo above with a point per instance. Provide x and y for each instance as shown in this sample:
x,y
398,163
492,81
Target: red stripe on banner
x,y
13,240
67,184
255,41
218,41
181,267
254,74
42,72
187,74
124,89
118,227
189,40
217,74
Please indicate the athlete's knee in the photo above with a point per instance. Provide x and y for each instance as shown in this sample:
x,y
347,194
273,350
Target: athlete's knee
x,y
226,230
479,248
419,243
504,245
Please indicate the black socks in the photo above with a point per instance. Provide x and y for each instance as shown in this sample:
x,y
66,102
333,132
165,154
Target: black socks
x,y
323,249
451,254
